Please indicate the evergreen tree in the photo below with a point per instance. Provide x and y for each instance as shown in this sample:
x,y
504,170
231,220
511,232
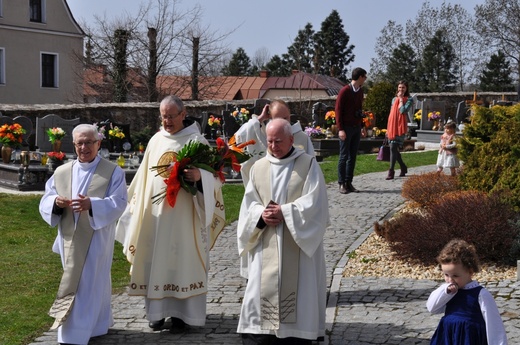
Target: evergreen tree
x,y
438,69
300,54
278,67
402,64
239,65
497,75
333,54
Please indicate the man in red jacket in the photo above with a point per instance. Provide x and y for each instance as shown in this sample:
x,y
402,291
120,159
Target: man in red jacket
x,y
349,118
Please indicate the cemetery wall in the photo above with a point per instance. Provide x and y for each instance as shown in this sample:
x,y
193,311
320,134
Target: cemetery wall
x,y
140,115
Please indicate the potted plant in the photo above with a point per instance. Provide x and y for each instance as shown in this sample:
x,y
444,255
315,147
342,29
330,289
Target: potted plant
x,y
55,135
11,136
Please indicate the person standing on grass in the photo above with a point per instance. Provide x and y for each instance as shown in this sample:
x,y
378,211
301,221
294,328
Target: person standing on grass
x,y
349,119
84,198
397,127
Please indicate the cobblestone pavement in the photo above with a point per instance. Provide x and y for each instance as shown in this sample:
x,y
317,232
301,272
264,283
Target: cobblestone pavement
x,y
361,311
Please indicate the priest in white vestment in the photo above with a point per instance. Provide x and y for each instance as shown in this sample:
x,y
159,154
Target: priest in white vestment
x,y
254,129
167,246
282,222
84,198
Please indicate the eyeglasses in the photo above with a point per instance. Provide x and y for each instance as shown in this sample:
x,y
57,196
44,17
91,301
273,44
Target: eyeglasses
x,y
169,117
86,143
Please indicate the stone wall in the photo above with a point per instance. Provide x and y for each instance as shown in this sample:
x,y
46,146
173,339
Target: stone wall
x,y
141,115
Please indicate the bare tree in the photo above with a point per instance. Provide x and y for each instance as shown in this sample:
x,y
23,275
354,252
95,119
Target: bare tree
x,y
261,58
391,36
497,22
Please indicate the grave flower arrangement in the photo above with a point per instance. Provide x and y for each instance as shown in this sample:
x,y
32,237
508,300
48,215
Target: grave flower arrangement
x,y
418,116
196,154
214,122
55,133
369,120
11,135
56,156
116,133
315,132
241,115
434,115
330,117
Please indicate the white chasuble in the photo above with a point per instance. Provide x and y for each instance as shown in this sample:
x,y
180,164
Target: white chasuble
x,y
169,247
306,219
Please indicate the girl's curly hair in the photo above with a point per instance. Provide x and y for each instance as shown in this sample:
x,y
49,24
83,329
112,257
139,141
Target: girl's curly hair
x,y
460,252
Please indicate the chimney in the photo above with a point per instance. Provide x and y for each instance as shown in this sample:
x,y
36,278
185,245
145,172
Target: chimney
x,y
264,74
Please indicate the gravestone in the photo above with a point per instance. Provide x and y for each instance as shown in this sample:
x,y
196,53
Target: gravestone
x,y
462,113
319,110
51,121
230,125
259,106
427,107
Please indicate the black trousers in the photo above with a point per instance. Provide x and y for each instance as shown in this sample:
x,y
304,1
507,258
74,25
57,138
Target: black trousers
x,y
269,339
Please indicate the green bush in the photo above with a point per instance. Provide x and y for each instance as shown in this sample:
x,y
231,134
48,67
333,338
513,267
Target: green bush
x,y
490,150
378,101
476,217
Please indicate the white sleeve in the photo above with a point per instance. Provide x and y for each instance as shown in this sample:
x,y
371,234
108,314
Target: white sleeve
x,y
436,303
496,334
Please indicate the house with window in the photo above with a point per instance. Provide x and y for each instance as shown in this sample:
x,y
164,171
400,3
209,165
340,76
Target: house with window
x,y
41,49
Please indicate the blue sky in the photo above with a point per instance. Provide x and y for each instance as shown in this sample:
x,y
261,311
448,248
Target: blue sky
x,y
274,24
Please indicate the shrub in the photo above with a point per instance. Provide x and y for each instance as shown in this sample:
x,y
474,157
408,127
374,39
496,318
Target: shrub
x,y
426,189
481,219
378,101
490,150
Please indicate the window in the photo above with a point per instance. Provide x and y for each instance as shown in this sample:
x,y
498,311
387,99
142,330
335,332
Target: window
x,y
1,9
2,65
37,11
49,76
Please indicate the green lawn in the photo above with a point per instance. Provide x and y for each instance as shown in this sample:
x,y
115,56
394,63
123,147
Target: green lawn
x,y
30,271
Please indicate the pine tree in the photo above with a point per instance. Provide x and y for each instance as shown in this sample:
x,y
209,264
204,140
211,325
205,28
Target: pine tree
x,y
438,69
333,53
239,65
278,67
402,64
497,75
300,54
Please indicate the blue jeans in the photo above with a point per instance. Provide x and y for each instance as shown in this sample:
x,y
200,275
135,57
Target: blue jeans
x,y
348,149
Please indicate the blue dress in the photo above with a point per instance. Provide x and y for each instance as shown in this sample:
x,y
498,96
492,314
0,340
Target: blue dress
x,y
462,323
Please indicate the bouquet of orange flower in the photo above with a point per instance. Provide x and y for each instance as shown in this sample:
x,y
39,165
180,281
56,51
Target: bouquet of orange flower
x,y
330,117
202,156
11,135
369,119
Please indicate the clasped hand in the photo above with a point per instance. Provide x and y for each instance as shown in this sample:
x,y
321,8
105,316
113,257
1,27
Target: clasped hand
x,y
272,215
82,203
191,174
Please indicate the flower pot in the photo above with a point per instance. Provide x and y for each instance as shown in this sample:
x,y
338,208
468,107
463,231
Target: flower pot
x,y
56,145
435,126
6,154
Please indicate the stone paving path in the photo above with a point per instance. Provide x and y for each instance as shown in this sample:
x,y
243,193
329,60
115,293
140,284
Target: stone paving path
x,y
361,311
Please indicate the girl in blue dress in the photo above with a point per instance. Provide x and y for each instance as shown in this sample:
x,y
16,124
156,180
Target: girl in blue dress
x,y
471,316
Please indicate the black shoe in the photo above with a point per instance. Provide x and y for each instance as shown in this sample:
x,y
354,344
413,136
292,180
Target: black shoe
x,y
342,188
351,188
156,325
178,326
